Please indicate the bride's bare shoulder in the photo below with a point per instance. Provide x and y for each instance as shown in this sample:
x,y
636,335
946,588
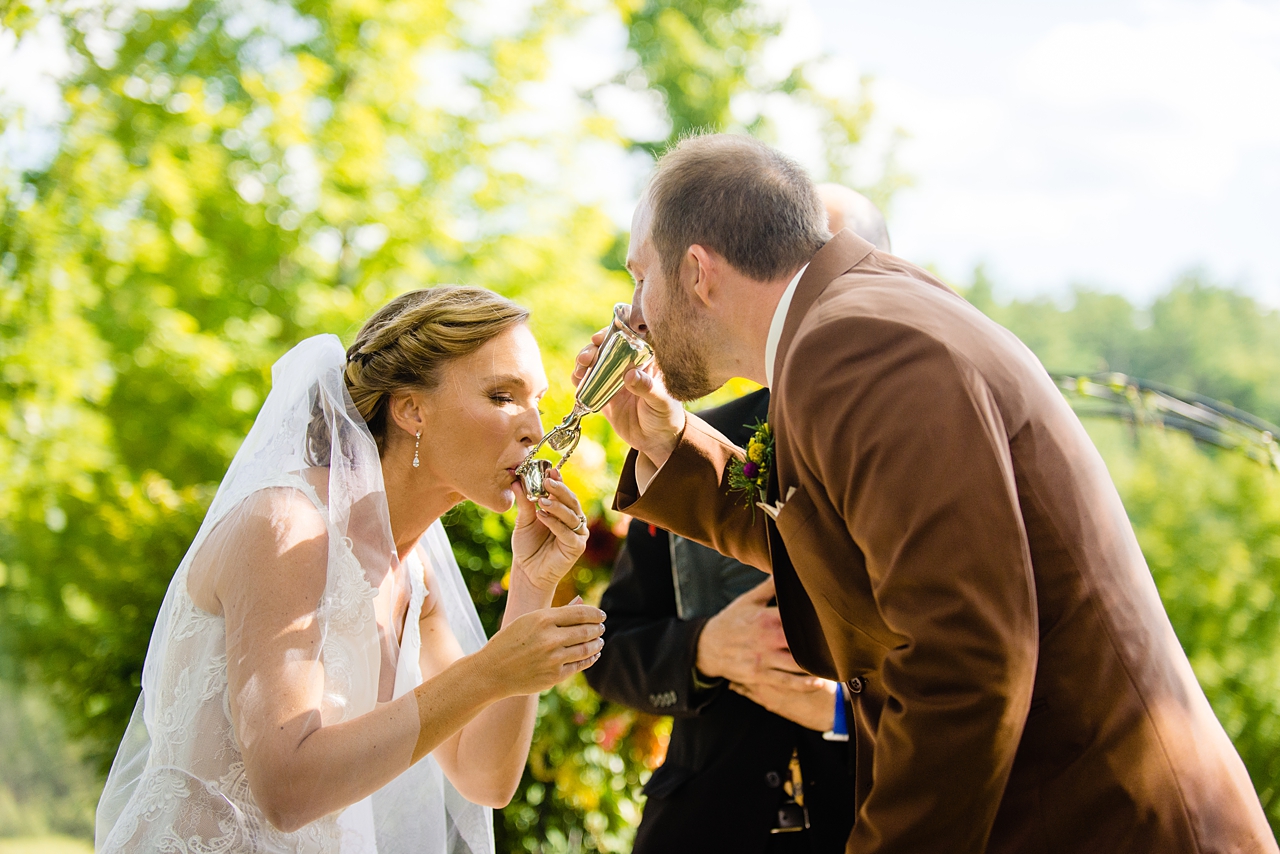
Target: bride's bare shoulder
x,y
276,518
275,535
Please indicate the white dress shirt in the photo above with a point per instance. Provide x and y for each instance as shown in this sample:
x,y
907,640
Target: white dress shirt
x,y
775,327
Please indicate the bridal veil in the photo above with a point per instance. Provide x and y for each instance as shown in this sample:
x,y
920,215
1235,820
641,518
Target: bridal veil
x,y
178,781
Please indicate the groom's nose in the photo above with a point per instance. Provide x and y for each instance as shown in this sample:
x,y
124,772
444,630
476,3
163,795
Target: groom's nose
x,y
636,319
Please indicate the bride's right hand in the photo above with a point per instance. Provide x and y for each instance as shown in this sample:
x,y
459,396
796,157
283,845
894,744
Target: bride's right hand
x,y
549,537
539,649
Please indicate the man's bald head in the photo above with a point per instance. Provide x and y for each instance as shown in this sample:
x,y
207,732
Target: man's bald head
x,y
850,209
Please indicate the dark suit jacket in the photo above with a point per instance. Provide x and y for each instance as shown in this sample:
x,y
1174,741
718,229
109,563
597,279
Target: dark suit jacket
x,y
720,786
951,540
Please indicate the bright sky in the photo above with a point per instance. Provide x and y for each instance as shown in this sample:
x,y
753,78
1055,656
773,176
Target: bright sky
x,y
1109,142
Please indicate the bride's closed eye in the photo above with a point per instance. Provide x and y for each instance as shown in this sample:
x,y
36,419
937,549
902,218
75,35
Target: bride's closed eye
x,y
506,400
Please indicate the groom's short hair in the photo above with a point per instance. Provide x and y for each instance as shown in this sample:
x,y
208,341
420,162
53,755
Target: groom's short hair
x,y
738,196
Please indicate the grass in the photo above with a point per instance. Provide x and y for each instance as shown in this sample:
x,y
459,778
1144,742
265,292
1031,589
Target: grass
x,y
45,845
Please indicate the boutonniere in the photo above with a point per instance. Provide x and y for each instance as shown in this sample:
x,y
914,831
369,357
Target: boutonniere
x,y
750,475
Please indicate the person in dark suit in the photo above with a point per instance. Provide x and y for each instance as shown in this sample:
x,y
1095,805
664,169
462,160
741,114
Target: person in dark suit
x,y
679,612
728,764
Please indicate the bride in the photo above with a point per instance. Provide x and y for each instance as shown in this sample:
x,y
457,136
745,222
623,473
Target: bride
x,y
317,679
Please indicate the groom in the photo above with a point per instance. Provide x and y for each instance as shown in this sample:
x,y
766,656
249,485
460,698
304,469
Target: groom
x,y
943,536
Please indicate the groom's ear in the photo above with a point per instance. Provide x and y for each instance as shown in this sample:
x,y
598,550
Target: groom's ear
x,y
704,267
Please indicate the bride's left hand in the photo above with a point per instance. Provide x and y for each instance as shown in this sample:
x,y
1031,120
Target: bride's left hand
x,y
550,534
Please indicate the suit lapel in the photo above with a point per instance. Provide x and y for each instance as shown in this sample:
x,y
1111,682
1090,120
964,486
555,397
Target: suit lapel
x,y
799,619
840,254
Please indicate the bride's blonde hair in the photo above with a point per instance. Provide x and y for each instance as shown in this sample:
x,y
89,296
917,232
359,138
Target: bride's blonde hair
x,y
406,344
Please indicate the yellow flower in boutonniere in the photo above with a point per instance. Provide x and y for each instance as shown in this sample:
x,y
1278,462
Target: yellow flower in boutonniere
x,y
750,475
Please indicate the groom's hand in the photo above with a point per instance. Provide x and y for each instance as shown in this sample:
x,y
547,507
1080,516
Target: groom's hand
x,y
644,415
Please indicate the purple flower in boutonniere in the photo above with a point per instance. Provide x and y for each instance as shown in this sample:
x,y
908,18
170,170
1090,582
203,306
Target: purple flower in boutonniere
x,y
750,475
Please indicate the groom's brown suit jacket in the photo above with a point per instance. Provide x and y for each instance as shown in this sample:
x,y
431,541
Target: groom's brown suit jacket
x,y
952,547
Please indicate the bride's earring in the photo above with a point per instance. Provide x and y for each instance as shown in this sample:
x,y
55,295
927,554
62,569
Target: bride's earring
x,y
417,439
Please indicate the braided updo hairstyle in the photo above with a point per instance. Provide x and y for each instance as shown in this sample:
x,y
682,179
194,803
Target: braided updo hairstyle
x,y
406,344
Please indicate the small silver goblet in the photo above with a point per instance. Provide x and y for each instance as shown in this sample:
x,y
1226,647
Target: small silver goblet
x,y
621,350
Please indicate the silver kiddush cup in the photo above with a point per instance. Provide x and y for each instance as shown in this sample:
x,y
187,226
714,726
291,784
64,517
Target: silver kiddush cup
x,y
621,350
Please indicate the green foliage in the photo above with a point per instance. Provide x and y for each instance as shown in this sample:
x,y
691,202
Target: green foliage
x,y
588,762
1196,336
81,604
705,59
696,55
1212,536
482,545
18,17
45,845
45,784
225,188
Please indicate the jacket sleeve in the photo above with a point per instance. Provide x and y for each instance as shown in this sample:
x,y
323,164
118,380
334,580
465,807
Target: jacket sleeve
x,y
649,653
909,444
690,496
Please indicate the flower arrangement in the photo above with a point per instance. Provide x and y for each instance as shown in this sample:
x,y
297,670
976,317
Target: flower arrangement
x,y
750,475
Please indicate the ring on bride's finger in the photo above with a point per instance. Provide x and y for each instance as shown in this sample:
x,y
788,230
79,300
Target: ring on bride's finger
x,y
581,526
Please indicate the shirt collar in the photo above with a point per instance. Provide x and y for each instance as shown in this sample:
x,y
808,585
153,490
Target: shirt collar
x,y
775,327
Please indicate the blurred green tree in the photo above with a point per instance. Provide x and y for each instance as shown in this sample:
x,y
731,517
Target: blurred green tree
x,y
45,786
232,178
708,62
1196,335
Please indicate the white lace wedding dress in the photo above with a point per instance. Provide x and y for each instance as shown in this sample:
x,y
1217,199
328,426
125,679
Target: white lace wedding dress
x,y
178,782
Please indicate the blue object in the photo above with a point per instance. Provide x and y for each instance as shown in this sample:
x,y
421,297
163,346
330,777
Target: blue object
x,y
840,726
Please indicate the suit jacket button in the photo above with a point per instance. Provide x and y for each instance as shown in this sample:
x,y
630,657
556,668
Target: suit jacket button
x,y
855,685
773,779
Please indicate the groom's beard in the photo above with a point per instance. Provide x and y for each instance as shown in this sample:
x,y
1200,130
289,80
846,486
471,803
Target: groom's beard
x,y
684,367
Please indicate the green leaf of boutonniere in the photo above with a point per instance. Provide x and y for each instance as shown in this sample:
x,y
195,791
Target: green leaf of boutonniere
x,y
750,475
